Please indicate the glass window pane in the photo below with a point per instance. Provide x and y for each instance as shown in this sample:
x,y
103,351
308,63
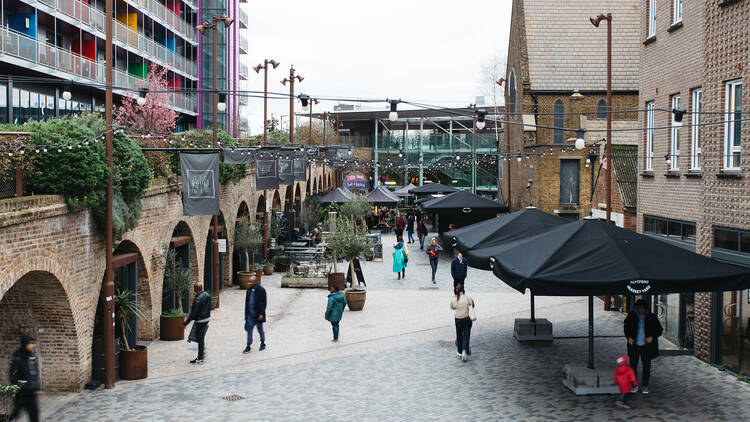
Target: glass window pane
x,y
745,242
675,228
559,111
737,115
730,333
660,226
688,231
648,224
726,239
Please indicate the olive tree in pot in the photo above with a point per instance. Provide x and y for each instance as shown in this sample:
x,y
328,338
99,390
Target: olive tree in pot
x,y
249,239
133,357
349,242
176,282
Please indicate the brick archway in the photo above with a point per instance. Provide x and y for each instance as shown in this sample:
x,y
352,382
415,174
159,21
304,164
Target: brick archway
x,y
276,203
49,318
146,328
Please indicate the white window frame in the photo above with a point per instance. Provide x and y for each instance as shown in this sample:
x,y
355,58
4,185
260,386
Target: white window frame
x,y
695,129
676,11
674,137
651,24
730,149
650,136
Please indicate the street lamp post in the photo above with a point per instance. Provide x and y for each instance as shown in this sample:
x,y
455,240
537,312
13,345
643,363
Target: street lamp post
x,y
227,21
290,79
608,149
506,129
108,288
257,69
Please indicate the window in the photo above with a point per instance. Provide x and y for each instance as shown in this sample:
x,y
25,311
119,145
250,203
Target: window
x,y
512,91
733,125
674,138
651,25
732,239
558,133
676,11
667,227
569,181
601,109
695,131
3,104
650,136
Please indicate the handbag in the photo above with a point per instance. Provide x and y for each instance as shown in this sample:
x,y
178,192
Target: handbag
x,y
472,314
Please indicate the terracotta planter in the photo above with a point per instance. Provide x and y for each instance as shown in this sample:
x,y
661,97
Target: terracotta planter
x,y
246,278
268,269
134,363
337,279
214,301
355,299
172,328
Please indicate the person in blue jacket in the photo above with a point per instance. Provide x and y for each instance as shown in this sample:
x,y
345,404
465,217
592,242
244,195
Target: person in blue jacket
x,y
459,267
335,308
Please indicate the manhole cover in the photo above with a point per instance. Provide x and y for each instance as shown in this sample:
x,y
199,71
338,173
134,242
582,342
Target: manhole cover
x,y
233,397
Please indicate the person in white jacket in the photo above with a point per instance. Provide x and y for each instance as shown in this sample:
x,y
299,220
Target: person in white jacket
x,y
460,304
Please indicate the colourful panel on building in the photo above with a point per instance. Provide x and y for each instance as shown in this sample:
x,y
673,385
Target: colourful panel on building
x,y
139,70
89,49
129,19
175,7
170,43
174,82
24,23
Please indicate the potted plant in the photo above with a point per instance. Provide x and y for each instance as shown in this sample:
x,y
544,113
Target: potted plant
x,y
349,242
214,300
276,228
370,255
8,394
176,282
268,268
133,357
248,238
282,263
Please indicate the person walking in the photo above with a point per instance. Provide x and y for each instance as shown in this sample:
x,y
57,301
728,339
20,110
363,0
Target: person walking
x,y
24,371
400,257
625,380
642,329
400,226
200,313
459,268
335,309
410,228
433,253
421,233
461,304
255,314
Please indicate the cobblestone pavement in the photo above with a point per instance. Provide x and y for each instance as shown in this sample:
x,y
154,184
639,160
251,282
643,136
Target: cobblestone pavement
x,y
396,362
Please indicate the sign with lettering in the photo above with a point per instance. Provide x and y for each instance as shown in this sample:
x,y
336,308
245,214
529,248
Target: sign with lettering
x,y
200,184
356,180
377,250
638,286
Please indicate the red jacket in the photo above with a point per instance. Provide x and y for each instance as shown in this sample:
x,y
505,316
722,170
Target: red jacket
x,y
400,223
625,378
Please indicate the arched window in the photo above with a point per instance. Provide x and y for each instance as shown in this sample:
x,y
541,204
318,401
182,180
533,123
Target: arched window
x,y
601,109
512,91
559,134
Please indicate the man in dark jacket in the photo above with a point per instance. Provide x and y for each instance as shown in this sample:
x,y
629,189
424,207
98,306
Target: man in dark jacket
x,y
24,371
642,329
200,313
255,314
459,267
400,226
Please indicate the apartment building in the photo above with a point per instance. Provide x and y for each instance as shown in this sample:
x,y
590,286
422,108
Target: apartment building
x,y
63,41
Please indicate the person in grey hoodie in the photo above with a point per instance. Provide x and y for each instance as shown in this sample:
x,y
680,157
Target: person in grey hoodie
x,y
335,309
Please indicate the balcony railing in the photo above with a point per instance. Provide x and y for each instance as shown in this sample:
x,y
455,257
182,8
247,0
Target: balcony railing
x,y
160,13
95,18
244,44
41,53
442,143
242,19
243,72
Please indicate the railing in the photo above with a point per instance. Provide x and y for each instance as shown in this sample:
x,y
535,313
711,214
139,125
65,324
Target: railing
x,y
244,45
91,16
157,11
38,52
242,19
442,143
243,72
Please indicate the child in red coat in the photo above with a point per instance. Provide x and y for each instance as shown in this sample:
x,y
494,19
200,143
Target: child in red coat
x,y
625,379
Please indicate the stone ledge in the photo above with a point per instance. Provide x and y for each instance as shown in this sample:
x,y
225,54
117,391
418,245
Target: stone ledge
x,y
304,282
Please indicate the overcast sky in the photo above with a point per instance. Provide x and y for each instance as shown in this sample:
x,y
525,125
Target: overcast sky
x,y
428,51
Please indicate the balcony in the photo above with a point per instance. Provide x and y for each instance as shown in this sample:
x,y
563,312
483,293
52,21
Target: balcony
x,y
153,51
243,45
39,53
157,11
243,72
242,19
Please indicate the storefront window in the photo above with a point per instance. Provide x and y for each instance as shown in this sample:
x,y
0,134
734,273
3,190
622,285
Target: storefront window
x,y
735,336
675,313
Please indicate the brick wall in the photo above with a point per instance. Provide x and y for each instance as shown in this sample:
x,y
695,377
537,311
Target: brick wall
x,y
53,265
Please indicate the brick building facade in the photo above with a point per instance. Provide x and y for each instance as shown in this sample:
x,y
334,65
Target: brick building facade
x,y
554,51
53,262
693,189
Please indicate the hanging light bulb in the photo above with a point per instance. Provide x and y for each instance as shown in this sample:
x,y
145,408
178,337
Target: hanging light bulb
x,y
141,100
393,115
221,106
580,143
480,119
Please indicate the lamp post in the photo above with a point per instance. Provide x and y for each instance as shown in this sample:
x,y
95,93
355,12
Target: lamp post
x,y
290,79
108,288
257,69
477,123
506,129
227,21
608,149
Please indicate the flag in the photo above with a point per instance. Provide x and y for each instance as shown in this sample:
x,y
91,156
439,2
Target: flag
x,y
200,184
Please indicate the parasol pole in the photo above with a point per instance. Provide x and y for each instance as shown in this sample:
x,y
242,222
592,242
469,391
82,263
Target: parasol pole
x,y
531,306
591,332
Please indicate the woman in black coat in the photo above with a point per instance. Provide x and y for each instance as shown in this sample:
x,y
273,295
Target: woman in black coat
x,y
642,330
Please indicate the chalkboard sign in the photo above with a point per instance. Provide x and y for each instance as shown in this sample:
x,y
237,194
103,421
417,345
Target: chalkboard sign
x,y
377,250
